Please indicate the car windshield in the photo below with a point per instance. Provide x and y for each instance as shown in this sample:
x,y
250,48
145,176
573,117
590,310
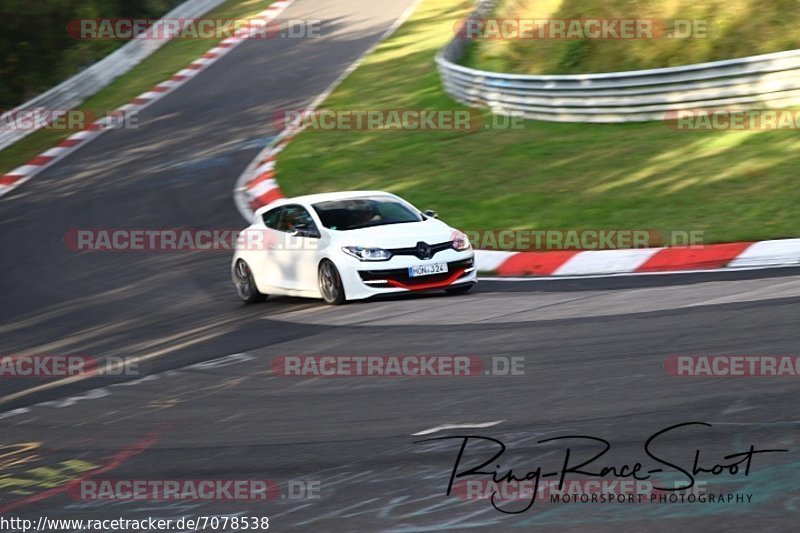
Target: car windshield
x,y
358,213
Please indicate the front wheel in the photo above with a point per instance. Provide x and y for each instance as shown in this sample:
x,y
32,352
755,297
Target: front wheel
x,y
330,283
245,285
461,289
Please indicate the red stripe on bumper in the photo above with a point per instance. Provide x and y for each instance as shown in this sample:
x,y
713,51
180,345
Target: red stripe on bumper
x,y
426,286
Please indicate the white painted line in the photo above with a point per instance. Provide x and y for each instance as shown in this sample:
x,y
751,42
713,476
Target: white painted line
x,y
94,394
152,377
445,427
625,274
15,412
223,361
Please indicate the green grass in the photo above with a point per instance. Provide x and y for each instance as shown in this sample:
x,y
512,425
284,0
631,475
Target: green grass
x,y
732,185
736,28
168,60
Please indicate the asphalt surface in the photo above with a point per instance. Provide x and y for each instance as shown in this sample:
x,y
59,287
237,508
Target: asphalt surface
x,y
207,404
351,440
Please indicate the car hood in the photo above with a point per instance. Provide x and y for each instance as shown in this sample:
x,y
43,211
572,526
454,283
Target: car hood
x,y
405,235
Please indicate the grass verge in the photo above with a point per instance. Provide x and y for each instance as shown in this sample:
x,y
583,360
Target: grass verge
x,y
731,185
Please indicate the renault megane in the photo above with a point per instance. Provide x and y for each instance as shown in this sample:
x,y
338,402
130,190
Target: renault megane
x,y
349,246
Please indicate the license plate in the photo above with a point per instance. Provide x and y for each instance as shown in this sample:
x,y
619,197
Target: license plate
x,y
427,270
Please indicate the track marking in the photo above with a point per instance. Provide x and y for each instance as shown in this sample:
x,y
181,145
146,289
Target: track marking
x,y
445,427
624,274
15,412
102,392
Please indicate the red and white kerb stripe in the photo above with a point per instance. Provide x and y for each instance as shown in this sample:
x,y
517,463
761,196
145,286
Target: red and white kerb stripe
x,y
263,188
784,252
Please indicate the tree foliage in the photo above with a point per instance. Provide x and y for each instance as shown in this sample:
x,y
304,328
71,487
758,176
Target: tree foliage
x,y
36,52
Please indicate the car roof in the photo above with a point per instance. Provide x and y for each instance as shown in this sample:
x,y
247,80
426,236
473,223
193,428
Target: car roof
x,y
322,197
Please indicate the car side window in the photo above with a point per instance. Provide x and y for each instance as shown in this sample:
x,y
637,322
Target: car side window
x,y
272,217
295,217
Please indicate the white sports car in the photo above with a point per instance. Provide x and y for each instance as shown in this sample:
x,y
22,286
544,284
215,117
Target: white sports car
x,y
349,246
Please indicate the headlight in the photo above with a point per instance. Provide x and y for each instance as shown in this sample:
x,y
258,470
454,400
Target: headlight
x,y
461,242
367,254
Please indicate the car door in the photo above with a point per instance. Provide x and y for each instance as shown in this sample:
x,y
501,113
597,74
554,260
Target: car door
x,y
296,252
263,249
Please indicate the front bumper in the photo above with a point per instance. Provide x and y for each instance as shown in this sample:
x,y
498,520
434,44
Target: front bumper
x,y
370,279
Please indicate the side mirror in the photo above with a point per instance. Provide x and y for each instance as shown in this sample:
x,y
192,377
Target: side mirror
x,y
431,214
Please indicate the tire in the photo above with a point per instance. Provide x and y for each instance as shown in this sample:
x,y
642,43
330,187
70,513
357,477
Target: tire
x,y
330,283
245,286
461,289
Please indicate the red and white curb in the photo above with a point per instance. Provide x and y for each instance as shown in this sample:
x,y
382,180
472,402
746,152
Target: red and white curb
x,y
21,174
257,186
737,255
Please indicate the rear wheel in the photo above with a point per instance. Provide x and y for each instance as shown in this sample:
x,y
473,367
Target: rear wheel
x,y
461,289
245,285
330,283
